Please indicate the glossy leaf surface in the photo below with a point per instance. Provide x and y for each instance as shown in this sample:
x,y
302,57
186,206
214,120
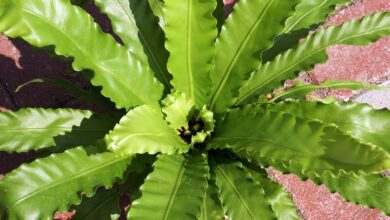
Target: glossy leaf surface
x,y
280,200
144,130
177,108
308,15
361,120
174,190
138,28
191,32
357,32
62,176
252,31
241,196
315,146
125,79
35,128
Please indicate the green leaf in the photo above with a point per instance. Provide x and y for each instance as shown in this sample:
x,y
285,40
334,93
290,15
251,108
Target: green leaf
x,y
102,205
361,120
105,203
211,207
280,200
143,130
372,191
78,2
191,32
300,91
177,107
125,79
35,128
88,96
241,196
138,28
308,15
285,137
219,14
56,182
174,190
157,6
312,51
245,34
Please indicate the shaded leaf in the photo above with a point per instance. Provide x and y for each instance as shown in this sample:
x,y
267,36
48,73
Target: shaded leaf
x,y
174,190
191,32
245,34
125,79
138,28
280,200
106,202
241,196
308,15
101,206
211,207
88,96
63,176
143,130
219,14
157,6
313,51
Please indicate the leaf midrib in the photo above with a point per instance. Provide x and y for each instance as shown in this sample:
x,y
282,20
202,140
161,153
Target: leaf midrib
x,y
242,45
65,180
255,88
174,191
105,201
310,87
303,16
97,64
352,165
269,141
236,191
143,39
370,187
189,55
203,212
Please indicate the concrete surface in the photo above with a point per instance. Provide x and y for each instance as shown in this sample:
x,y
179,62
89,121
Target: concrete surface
x,y
377,98
20,63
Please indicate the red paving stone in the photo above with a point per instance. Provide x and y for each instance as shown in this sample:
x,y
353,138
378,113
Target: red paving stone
x,y
366,64
9,50
369,64
317,203
363,63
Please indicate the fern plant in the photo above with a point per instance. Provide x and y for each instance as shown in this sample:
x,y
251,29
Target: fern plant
x,y
191,133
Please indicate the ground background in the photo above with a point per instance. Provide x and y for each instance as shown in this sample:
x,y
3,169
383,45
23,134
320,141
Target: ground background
x,y
20,63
